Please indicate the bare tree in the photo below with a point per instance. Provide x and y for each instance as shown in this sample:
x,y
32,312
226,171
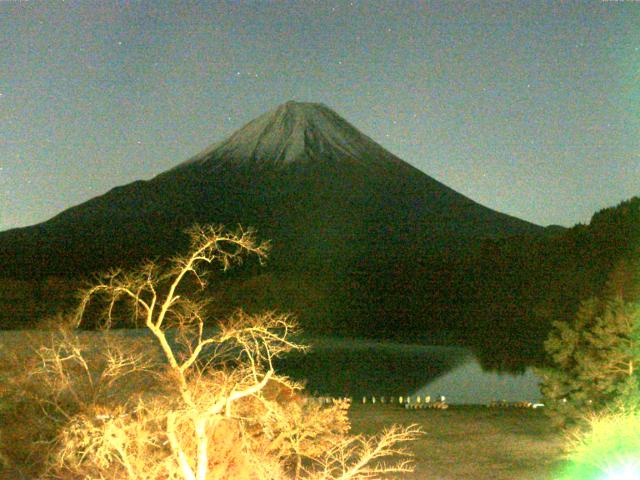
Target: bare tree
x,y
209,403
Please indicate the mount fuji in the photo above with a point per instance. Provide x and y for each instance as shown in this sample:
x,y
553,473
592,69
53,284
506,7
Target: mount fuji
x,y
326,195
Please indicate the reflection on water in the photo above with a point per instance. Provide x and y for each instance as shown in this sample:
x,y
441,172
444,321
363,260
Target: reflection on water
x,y
469,384
358,368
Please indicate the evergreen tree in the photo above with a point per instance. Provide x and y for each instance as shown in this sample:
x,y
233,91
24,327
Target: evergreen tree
x,y
594,360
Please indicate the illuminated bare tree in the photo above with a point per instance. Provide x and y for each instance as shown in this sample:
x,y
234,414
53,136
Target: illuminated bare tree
x,y
217,408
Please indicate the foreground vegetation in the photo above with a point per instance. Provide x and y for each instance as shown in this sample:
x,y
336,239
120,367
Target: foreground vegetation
x,y
186,406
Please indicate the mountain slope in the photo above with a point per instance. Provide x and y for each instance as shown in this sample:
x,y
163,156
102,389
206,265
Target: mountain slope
x,y
302,175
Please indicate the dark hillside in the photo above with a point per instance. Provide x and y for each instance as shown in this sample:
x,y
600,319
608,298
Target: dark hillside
x,y
532,282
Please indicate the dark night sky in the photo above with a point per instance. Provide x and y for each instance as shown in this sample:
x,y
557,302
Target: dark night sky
x,y
531,108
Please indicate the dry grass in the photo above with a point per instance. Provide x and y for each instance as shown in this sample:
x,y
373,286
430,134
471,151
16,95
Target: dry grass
x,y
473,442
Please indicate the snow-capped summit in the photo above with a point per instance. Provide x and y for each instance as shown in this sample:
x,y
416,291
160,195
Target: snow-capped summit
x,y
295,132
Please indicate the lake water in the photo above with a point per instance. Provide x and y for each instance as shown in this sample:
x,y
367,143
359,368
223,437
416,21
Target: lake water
x,y
358,368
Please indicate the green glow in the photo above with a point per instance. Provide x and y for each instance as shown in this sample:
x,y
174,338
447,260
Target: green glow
x,y
626,471
610,450
620,470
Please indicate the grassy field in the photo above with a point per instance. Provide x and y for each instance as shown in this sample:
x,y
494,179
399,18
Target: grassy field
x,y
465,442
472,442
